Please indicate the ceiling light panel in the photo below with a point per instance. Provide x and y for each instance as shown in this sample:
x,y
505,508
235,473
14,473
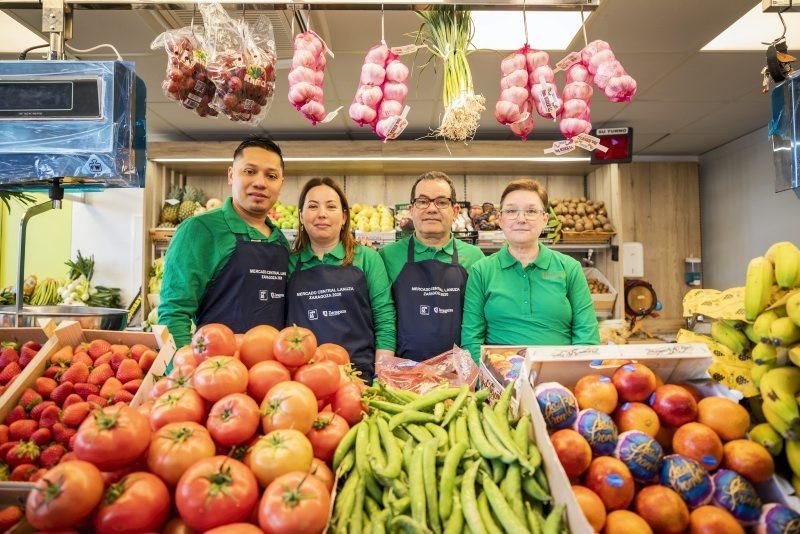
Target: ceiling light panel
x,y
505,30
754,29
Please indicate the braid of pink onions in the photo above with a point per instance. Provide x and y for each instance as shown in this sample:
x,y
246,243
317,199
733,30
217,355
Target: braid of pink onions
x,y
577,95
307,76
609,75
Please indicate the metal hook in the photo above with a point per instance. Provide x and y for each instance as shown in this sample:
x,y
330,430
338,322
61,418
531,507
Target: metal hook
x,y
783,22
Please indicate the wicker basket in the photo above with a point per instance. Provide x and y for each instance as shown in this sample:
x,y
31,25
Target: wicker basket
x,y
591,236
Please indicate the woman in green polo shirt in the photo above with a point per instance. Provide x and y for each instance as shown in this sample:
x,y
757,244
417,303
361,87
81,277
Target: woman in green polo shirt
x,y
527,294
337,288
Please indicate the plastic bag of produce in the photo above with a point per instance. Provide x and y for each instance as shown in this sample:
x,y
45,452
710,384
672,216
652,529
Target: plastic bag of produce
x,y
187,79
454,367
241,63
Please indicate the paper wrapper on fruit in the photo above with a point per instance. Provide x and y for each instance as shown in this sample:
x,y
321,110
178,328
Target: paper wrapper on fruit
x,y
729,369
454,367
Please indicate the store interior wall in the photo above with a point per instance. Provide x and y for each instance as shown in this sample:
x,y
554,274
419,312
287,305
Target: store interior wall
x,y
109,226
741,215
48,242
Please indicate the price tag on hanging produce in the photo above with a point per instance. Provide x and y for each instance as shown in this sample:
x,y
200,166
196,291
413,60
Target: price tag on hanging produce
x,y
568,61
399,125
589,142
549,98
407,49
560,148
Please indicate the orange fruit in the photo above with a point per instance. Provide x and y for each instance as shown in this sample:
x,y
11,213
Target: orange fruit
x,y
663,509
625,522
573,451
726,417
713,520
637,416
749,459
700,443
612,481
596,391
592,506
634,382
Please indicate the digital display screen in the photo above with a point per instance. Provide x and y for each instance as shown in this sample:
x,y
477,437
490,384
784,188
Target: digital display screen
x,y
619,145
36,96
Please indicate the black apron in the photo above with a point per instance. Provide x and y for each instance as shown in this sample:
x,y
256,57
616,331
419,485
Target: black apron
x,y
429,297
251,288
333,302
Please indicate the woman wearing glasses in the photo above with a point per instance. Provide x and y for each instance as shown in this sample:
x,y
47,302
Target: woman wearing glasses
x,y
337,288
527,294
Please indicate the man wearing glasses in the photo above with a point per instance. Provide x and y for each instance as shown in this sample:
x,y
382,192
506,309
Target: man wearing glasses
x,y
527,294
428,272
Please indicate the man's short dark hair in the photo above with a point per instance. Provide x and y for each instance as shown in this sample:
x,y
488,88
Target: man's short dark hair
x,y
434,175
259,142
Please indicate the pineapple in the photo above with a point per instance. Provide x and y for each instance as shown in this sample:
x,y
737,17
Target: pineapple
x,y
169,213
191,197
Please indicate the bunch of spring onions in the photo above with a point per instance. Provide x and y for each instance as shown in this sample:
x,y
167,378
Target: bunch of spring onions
x,y
447,31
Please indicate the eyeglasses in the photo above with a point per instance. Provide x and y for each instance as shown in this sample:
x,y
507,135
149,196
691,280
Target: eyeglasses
x,y
531,214
440,202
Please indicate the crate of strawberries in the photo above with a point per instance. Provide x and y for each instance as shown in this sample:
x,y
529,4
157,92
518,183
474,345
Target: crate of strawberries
x,y
18,348
74,372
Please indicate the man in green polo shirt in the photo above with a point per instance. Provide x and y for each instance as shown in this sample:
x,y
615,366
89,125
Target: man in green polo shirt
x,y
527,294
229,265
428,272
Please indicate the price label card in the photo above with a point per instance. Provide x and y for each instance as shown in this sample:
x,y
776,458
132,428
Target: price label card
x,y
560,148
407,49
568,61
589,142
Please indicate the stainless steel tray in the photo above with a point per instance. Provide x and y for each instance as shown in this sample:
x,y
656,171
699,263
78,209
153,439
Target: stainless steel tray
x,y
88,317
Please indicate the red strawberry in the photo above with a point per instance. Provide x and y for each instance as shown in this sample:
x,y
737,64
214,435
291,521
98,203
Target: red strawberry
x,y
36,413
83,358
29,399
84,390
54,371
62,434
30,346
62,392
133,386
10,371
42,437
100,374
52,455
9,516
44,386
24,452
16,414
76,373
71,444
137,351
97,399
129,370
38,474
3,434
117,359
5,447
49,417
121,349
123,396
105,358
75,414
147,359
98,347
19,430
23,473
111,386
64,355
72,399
8,354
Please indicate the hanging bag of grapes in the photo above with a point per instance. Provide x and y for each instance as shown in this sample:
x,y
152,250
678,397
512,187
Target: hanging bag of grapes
x,y
241,64
187,79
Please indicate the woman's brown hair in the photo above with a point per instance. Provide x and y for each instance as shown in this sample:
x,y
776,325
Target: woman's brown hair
x,y
345,236
525,184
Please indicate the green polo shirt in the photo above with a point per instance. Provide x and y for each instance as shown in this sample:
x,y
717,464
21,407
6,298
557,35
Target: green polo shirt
x,y
395,255
200,249
546,303
380,290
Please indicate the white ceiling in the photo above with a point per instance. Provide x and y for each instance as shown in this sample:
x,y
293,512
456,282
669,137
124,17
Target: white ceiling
x,y
689,102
